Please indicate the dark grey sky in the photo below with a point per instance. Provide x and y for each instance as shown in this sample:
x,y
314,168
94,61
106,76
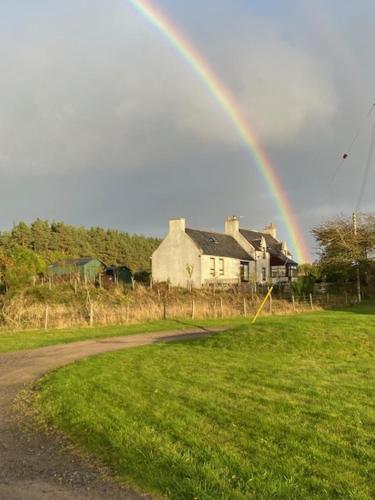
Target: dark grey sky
x,y
102,123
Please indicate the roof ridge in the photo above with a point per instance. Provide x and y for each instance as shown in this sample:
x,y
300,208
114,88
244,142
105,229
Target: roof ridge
x,y
207,231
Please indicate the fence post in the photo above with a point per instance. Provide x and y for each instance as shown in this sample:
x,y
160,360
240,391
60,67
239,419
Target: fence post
x,y
91,314
46,318
294,304
270,304
244,307
311,301
193,309
164,309
221,308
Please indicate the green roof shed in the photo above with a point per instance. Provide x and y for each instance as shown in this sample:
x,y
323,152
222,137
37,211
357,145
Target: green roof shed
x,y
87,267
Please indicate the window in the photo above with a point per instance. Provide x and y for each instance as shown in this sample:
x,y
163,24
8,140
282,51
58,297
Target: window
x,y
212,239
244,271
264,274
221,267
212,267
292,271
278,272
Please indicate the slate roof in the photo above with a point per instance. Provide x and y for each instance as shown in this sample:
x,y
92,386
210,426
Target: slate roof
x,y
218,244
273,247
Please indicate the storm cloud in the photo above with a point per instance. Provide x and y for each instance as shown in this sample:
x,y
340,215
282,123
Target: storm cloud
x,y
102,122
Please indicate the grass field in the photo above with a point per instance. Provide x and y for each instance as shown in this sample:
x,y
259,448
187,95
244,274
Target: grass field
x,y
283,409
30,339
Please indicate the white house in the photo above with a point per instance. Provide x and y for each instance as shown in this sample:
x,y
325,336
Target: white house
x,y
191,257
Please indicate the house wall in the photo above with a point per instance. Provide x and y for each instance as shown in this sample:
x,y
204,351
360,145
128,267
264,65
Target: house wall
x,y
231,269
262,262
175,253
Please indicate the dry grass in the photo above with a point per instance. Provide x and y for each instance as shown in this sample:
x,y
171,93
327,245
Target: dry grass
x,y
65,309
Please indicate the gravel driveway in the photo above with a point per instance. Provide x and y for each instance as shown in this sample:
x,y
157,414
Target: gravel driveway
x,y
33,466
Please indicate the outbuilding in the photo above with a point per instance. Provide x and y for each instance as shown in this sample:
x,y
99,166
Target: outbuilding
x,y
87,268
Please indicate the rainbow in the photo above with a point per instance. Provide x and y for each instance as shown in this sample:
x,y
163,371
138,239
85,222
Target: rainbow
x,y
231,108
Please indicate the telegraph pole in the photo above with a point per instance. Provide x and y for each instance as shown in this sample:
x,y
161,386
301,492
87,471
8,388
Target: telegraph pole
x,y
357,261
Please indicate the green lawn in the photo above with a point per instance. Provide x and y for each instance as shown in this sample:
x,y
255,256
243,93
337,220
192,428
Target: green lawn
x,y
283,409
31,339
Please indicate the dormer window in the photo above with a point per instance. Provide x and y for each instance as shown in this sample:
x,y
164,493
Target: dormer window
x,y
212,239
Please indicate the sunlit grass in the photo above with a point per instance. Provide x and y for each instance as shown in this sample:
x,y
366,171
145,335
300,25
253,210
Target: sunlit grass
x,y
282,409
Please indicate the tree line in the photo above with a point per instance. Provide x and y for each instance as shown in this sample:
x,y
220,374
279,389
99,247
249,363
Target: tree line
x,y
30,248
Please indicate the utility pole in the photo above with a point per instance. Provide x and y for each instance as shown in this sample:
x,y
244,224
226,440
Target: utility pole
x,y
357,261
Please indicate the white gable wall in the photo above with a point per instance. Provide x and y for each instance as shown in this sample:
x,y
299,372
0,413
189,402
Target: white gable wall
x,y
175,253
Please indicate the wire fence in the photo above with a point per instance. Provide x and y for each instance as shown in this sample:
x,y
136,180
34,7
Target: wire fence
x,y
145,307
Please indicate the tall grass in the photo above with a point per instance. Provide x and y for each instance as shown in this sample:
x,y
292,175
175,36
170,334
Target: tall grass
x,y
64,307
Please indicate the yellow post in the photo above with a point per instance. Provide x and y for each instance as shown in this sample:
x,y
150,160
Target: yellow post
x,y
262,305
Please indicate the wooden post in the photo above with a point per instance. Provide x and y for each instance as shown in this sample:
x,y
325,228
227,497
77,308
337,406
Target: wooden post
x,y
294,304
100,280
127,312
75,286
244,307
165,309
270,304
311,301
221,308
193,309
215,310
46,318
91,314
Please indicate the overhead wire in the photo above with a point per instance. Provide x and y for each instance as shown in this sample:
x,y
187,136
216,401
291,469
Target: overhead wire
x,y
367,170
352,142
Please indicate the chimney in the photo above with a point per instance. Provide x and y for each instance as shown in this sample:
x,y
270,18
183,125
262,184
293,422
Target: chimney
x,y
232,225
177,225
271,230
284,248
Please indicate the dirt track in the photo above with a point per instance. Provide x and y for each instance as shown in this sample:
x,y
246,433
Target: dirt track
x,y
32,465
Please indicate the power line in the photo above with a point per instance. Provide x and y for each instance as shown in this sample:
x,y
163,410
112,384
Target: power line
x,y
352,142
367,169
